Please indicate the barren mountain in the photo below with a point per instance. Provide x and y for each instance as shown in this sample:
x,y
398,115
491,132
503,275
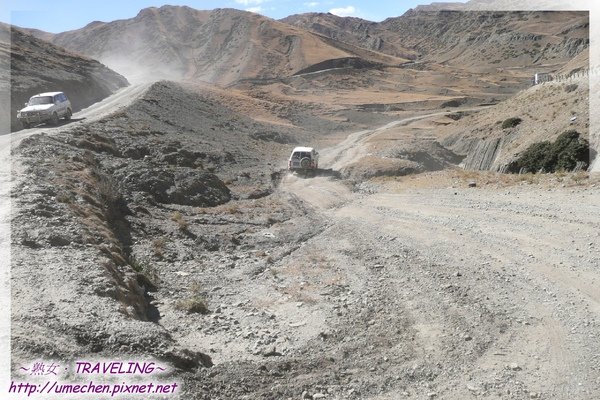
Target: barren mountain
x,y
38,66
466,39
492,40
162,224
505,5
352,30
221,46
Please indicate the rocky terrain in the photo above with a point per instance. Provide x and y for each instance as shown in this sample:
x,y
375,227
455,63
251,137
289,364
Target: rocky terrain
x,y
495,39
139,163
274,286
489,146
37,66
162,223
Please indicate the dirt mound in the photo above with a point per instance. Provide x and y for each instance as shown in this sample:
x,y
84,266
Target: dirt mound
x,y
37,66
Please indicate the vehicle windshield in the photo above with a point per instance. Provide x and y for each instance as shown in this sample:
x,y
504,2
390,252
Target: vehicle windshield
x,y
34,101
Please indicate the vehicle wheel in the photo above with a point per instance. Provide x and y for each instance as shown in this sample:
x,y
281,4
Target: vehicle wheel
x,y
68,114
54,119
305,163
26,125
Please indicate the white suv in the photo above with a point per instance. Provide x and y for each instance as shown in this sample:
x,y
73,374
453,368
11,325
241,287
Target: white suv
x,y
45,107
303,159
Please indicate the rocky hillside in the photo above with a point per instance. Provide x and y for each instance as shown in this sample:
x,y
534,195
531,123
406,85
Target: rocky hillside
x,y
466,39
356,31
541,113
221,46
38,66
123,191
491,40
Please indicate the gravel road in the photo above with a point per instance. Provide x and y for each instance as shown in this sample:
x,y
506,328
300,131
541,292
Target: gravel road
x,y
325,289
497,289
448,292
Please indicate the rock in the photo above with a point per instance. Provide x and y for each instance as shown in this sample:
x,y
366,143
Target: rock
x,y
472,388
191,187
305,395
272,352
56,240
514,367
431,395
319,396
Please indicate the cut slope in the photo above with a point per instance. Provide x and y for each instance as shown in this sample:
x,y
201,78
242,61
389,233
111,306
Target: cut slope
x,y
546,111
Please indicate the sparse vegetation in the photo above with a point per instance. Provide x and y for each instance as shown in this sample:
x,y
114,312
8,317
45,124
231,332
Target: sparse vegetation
x,y
64,197
571,87
181,222
195,303
158,246
146,272
511,122
562,155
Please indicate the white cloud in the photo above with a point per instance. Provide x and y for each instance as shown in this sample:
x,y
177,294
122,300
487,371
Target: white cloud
x,y
249,2
312,4
343,11
256,10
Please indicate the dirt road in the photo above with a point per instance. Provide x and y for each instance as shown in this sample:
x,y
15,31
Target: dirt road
x,y
96,111
323,290
387,293
460,293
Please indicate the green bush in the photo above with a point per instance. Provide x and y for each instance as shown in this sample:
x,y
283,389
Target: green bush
x,y
511,122
561,155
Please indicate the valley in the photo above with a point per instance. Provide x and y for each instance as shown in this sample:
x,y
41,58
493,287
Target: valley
x,y
161,222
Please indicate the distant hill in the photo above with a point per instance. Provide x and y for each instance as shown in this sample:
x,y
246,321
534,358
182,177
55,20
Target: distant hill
x,y
38,66
448,34
219,46
493,39
356,31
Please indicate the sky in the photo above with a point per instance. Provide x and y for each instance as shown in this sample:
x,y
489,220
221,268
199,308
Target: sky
x,y
62,15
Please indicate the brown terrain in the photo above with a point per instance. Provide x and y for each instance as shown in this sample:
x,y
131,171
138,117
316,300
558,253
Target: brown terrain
x,y
161,223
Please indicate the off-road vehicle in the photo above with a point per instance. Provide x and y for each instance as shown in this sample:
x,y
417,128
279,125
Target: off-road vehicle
x,y
45,107
304,160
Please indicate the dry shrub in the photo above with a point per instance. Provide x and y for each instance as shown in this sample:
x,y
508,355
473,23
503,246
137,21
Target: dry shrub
x,y
181,222
195,303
